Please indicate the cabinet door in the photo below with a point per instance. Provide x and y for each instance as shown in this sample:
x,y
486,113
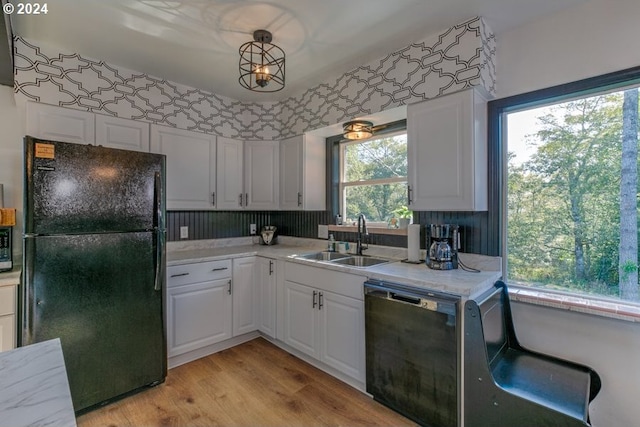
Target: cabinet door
x,y
266,283
7,332
230,187
60,124
244,296
291,173
120,133
342,334
198,315
191,163
447,153
262,175
300,311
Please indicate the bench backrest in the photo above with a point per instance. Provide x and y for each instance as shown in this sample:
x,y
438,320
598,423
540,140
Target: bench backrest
x,y
494,325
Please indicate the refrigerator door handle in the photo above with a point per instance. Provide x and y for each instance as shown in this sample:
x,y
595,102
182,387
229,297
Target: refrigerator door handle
x,y
160,233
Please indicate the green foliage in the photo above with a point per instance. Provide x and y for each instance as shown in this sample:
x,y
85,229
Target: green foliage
x,y
403,212
378,159
563,203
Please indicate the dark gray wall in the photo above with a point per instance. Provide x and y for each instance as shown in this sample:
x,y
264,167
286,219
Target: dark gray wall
x,y
224,224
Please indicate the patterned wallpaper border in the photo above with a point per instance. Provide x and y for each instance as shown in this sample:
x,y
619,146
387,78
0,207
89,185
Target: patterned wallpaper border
x,y
461,57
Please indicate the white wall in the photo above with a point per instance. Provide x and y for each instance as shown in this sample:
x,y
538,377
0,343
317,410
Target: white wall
x,y
610,347
11,134
598,37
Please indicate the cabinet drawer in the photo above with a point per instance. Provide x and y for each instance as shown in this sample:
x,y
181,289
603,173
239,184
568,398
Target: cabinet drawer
x,y
7,300
198,272
349,285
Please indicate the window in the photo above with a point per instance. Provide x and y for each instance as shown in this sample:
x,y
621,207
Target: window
x,y
572,190
373,178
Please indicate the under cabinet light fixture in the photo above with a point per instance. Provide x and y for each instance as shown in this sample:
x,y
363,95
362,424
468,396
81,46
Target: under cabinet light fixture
x,y
357,129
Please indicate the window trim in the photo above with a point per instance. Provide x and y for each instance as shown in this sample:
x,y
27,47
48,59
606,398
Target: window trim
x,y
496,113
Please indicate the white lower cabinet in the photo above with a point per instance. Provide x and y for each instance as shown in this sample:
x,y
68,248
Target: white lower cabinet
x,y
244,296
322,322
199,305
199,315
7,317
266,270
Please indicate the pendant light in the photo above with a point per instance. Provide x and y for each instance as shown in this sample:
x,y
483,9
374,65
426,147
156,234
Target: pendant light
x,y
357,129
261,64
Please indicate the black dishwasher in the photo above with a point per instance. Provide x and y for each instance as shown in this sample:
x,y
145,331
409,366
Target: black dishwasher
x,y
412,352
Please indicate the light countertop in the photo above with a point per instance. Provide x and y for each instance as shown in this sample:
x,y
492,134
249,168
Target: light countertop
x,y
34,390
457,282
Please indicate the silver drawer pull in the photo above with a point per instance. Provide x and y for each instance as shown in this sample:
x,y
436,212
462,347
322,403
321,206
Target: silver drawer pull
x,y
181,274
220,269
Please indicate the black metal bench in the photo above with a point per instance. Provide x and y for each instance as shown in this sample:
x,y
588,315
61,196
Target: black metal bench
x,y
506,385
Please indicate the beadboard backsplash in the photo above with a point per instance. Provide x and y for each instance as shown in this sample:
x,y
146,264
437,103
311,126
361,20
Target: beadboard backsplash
x,y
226,224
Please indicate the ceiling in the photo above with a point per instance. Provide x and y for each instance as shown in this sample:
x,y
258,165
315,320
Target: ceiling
x,y
195,42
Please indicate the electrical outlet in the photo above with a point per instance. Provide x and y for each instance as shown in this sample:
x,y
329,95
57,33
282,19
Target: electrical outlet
x,y
184,232
323,231
252,229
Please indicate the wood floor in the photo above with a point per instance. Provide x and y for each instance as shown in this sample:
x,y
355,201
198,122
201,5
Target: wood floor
x,y
253,384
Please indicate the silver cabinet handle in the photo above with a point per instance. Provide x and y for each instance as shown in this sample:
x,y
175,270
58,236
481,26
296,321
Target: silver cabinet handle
x,y
229,291
179,274
409,200
315,294
213,198
320,301
270,267
240,202
246,199
219,269
299,199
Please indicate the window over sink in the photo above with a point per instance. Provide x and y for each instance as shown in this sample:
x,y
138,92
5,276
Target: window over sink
x,y
373,179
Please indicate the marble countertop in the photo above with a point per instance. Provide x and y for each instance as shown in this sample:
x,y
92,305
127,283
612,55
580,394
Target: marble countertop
x,y
10,278
457,282
34,390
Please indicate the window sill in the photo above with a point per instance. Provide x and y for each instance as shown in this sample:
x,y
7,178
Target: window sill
x,y
612,309
371,230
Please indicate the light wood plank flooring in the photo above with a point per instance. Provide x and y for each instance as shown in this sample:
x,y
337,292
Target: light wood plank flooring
x,y
253,384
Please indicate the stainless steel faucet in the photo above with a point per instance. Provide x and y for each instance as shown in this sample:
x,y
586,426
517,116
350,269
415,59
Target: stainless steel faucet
x,y
362,229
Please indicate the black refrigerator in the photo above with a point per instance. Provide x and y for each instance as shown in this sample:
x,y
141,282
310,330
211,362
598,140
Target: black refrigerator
x,y
94,265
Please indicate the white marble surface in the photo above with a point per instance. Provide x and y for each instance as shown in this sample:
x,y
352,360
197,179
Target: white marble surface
x,y
456,282
34,390
10,278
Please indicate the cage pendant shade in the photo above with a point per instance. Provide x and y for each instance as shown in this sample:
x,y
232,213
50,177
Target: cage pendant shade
x,y
261,64
357,129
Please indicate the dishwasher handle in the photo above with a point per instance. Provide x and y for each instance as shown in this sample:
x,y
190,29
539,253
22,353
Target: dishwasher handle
x,y
425,300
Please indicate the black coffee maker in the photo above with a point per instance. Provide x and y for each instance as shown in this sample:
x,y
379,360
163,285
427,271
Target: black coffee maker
x,y
443,243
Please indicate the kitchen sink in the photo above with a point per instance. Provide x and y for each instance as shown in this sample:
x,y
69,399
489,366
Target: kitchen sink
x,y
360,261
324,256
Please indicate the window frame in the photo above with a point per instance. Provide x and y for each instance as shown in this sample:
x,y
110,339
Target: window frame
x,y
334,169
343,185
498,150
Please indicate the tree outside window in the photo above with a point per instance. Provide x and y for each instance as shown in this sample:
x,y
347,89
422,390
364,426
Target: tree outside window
x,y
572,196
373,177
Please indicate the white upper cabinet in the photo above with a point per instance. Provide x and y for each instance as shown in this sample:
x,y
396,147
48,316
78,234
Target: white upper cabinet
x,y
302,173
291,173
60,124
262,175
120,133
230,186
447,151
191,166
